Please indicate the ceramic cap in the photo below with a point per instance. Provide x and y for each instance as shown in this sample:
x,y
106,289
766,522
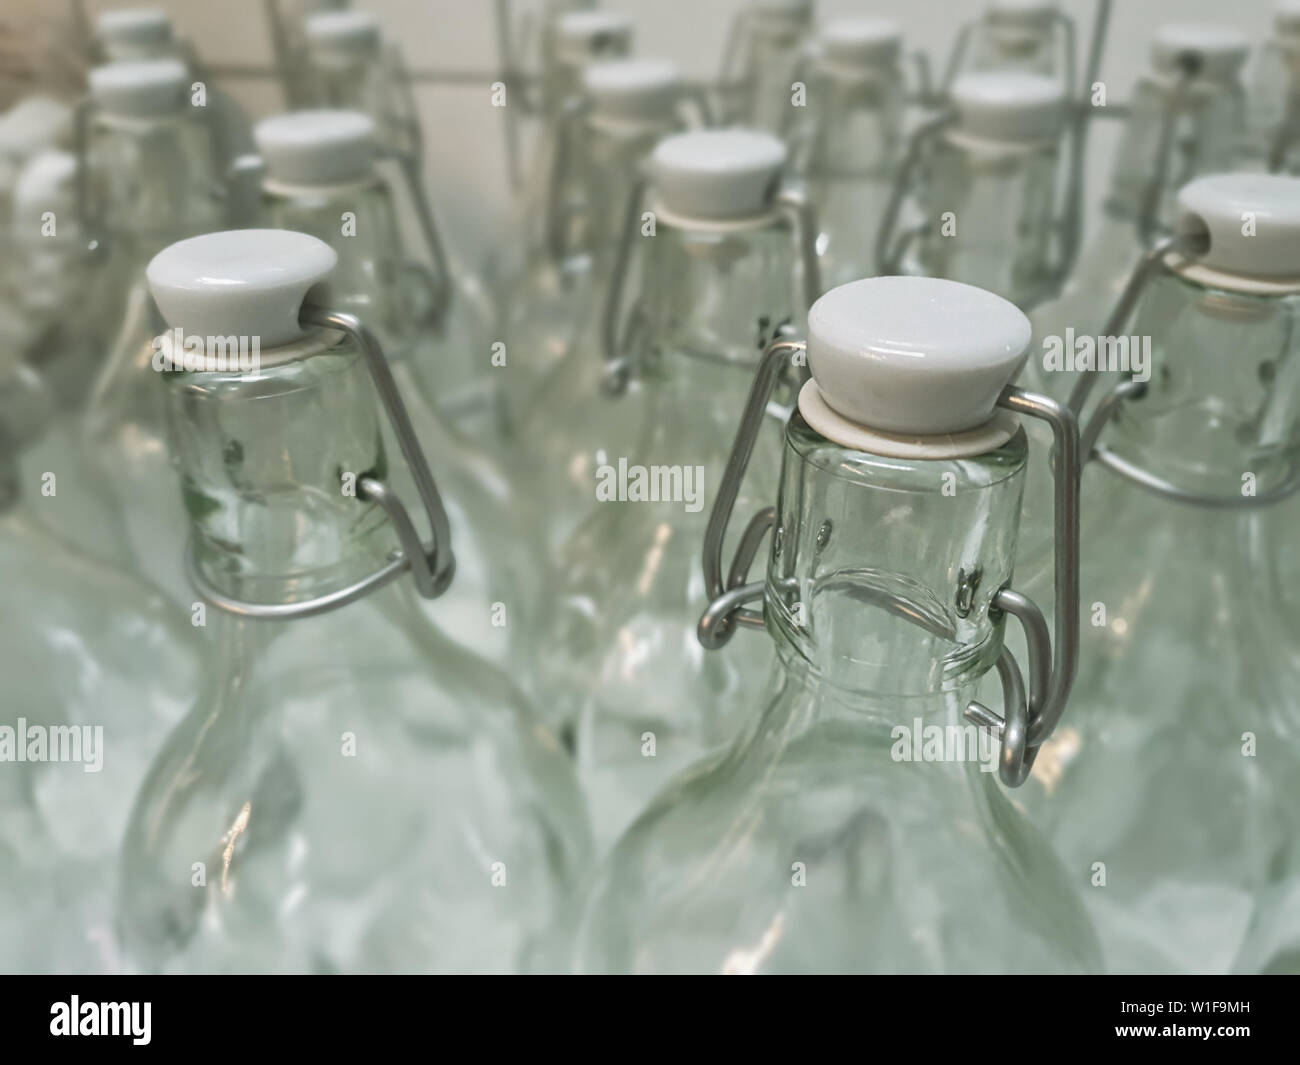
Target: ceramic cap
x,y
861,42
342,37
633,89
137,31
1009,105
1222,51
581,36
1223,204
146,88
717,174
915,355
242,282
316,147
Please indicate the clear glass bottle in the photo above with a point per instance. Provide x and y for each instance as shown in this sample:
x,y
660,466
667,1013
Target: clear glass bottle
x,y
551,311
1274,100
719,280
321,179
1172,797
1026,36
135,34
826,839
543,271
764,50
149,180
352,67
98,666
350,791
986,190
848,146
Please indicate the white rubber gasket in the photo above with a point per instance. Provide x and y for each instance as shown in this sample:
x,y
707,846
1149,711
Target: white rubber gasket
x,y
838,429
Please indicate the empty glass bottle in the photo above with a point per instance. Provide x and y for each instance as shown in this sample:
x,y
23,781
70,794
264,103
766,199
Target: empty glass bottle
x,y
1274,102
847,148
763,52
350,66
148,180
552,307
986,183
1172,796
857,824
1185,121
1025,36
322,179
618,665
135,34
350,791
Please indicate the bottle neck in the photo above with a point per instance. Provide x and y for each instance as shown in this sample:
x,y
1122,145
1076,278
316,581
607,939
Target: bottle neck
x,y
272,466
901,618
856,127
1221,414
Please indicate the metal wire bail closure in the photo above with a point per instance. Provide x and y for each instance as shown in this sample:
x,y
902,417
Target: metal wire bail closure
x,y
1152,265
727,599
431,565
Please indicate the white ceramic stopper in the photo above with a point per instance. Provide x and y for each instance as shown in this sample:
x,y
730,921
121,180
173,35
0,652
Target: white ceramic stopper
x,y
147,88
717,174
633,90
1009,106
861,42
342,38
1221,50
317,147
915,355
242,282
1252,220
581,36
133,33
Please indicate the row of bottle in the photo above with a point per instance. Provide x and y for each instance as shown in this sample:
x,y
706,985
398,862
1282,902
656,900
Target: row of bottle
x,y
272,528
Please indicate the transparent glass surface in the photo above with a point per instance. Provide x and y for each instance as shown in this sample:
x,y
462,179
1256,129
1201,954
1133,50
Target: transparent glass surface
x,y
375,87
619,658
1274,103
1208,137
771,49
1005,48
999,233
1171,789
358,792
848,153
815,843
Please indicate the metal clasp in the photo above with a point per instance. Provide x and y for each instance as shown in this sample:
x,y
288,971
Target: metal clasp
x,y
727,598
431,565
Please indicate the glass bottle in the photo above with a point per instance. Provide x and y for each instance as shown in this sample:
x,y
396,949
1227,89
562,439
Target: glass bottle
x,y
322,179
1172,797
148,180
352,67
542,271
98,666
985,190
848,147
350,791
763,53
617,666
1186,118
551,309
834,835
1025,36
135,34
1274,100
